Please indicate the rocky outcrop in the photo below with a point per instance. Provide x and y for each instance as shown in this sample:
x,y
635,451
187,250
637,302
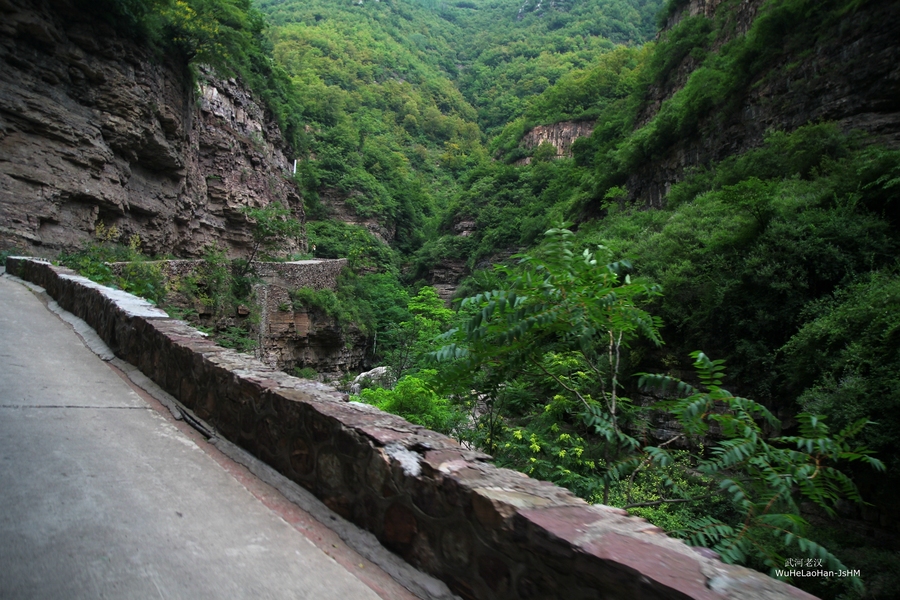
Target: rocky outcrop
x,y
95,128
742,13
445,277
380,376
561,135
850,74
340,206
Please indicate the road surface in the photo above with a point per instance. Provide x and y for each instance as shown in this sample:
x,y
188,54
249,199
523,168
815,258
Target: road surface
x,y
104,495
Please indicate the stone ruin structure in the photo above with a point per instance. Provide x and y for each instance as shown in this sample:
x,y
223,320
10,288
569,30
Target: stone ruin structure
x,y
287,337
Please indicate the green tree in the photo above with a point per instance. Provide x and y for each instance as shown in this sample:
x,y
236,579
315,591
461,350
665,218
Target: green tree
x,y
765,477
410,340
552,341
273,227
564,318
415,399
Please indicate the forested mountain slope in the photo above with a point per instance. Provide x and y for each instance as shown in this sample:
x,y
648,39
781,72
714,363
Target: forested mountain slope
x,y
764,135
397,96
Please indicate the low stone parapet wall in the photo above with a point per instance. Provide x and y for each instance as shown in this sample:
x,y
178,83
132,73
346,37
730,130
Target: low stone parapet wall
x,y
489,533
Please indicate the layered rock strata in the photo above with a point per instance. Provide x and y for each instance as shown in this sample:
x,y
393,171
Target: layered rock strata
x,y
286,336
94,128
560,135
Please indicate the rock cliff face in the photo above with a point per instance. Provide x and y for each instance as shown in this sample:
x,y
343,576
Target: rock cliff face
x,y
561,135
338,207
850,74
94,128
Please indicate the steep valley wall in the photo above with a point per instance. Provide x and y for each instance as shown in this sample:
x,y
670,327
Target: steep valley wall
x,y
95,128
849,74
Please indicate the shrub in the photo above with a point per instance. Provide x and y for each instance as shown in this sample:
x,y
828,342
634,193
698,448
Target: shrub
x,y
414,399
305,373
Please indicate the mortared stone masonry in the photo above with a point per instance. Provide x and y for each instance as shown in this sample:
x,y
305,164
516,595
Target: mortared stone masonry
x,y
489,533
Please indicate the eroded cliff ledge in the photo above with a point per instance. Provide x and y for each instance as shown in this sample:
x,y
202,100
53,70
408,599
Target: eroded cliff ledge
x,y
94,127
561,135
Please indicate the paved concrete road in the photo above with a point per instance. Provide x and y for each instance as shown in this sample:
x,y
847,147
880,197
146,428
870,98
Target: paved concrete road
x,y
101,496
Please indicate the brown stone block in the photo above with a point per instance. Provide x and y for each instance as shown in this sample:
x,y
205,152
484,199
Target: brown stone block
x,y
453,494
291,414
187,392
339,504
563,523
461,586
384,436
348,443
227,418
367,511
422,553
280,322
268,442
252,388
379,475
399,526
425,496
493,507
248,421
301,457
320,427
535,585
456,544
330,472
660,567
495,573
207,401
301,323
432,460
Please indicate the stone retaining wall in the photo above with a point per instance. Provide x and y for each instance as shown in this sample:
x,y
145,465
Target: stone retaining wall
x,y
490,533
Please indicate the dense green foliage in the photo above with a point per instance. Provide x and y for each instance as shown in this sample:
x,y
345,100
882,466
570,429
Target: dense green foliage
x,y
783,262
211,296
746,248
373,302
726,66
559,326
414,399
335,239
384,121
136,275
845,360
272,228
764,478
396,94
517,50
543,354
